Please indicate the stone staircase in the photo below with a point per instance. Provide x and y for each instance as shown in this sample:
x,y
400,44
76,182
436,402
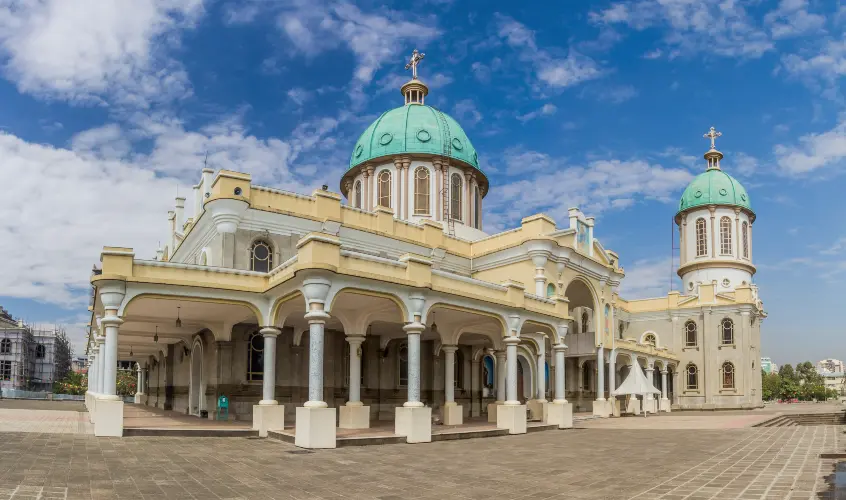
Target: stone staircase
x,y
805,419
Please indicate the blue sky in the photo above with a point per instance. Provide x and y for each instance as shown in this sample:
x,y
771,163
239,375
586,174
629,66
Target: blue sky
x,y
110,107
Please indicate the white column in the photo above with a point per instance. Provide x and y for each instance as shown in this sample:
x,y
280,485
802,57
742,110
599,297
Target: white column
x,y
612,373
355,342
560,363
111,324
449,373
101,365
600,373
541,377
476,389
316,322
92,369
500,376
511,364
414,330
144,379
650,371
139,388
664,383
268,385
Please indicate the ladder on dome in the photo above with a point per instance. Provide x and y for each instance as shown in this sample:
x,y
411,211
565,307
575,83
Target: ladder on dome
x,y
447,153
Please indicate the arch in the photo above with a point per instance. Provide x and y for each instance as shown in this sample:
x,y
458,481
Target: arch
x,y
701,237
278,313
332,304
422,191
5,346
727,371
549,330
488,371
585,323
197,381
649,338
550,290
383,188
455,188
190,298
727,331
502,324
690,335
524,362
580,293
725,235
357,194
261,256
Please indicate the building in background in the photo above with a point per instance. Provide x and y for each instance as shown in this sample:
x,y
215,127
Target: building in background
x,y
836,381
830,366
27,355
80,364
768,366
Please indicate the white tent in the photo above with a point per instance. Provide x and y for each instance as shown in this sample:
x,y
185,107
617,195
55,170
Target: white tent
x,y
635,384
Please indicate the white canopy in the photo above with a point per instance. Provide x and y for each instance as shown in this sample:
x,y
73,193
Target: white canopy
x,y
635,383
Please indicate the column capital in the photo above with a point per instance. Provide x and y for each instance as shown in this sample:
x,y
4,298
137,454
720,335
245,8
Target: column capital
x,y
664,371
414,327
317,316
111,320
355,340
559,347
270,331
513,340
499,355
449,348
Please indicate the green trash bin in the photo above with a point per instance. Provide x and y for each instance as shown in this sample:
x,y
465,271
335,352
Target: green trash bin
x,y
223,408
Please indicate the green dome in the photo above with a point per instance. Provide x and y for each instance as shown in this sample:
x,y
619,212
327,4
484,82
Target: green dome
x,y
414,128
714,187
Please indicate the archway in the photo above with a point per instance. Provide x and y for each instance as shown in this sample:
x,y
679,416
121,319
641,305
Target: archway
x,y
525,375
197,387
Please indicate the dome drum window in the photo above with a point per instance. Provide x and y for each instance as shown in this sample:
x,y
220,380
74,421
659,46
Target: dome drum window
x,y
421,191
384,189
455,197
261,257
725,236
701,238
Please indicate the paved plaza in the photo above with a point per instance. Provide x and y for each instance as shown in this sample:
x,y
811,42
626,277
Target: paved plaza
x,y
604,459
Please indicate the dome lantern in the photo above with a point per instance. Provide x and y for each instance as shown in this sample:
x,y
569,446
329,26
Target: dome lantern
x,y
414,91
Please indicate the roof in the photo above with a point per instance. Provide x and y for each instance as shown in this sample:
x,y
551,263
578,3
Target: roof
x,y
714,187
414,128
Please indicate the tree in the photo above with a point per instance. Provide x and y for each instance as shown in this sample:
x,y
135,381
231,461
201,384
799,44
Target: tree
x,y
125,383
786,373
770,385
63,358
807,374
72,383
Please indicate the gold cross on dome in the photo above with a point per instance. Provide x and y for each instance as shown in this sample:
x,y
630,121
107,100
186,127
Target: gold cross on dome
x,y
712,134
416,57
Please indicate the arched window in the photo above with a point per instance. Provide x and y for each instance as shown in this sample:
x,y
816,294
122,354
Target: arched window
x,y
725,236
690,334
745,236
204,259
458,370
649,339
5,346
692,377
357,194
402,365
40,351
586,373
261,257
585,321
727,331
384,195
620,330
550,290
728,375
255,357
701,238
421,191
477,212
455,197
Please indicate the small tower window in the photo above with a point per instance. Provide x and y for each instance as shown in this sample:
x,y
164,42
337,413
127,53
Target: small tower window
x,y
725,236
261,257
5,346
701,238
357,195
455,197
745,237
550,290
690,334
649,339
421,191
727,331
728,375
692,377
385,188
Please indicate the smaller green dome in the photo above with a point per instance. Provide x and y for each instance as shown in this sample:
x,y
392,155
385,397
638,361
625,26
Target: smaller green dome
x,y
714,187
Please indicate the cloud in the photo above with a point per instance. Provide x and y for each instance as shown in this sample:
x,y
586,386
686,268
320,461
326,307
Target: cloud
x,y
88,51
299,95
744,165
792,18
827,62
648,278
466,113
550,70
813,152
545,110
616,95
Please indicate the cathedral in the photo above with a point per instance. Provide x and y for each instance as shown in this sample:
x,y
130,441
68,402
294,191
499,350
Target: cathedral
x,y
387,304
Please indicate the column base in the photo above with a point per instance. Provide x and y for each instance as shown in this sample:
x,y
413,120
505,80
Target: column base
x,y
415,423
634,406
354,417
602,408
560,414
615,407
139,398
664,405
536,408
492,409
511,417
109,419
315,428
452,414
268,418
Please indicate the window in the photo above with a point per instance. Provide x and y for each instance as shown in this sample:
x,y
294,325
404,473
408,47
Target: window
x,y
402,365
550,290
5,346
255,358
725,236
728,375
649,339
585,324
385,189
701,238
745,237
692,377
620,330
455,197
357,194
690,334
727,331
261,257
458,369
5,370
586,372
421,191
40,351
477,212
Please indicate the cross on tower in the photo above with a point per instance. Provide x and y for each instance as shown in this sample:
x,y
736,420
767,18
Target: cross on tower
x,y
712,134
416,57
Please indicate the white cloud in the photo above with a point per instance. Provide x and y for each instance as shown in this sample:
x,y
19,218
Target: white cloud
x,y
94,52
299,95
545,110
827,62
466,113
813,152
553,71
618,94
648,278
792,18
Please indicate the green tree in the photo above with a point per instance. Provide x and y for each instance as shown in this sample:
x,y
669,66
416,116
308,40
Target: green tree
x,y
807,374
72,383
771,385
63,357
786,373
126,381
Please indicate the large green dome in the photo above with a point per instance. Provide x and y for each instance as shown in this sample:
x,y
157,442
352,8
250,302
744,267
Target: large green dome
x,y
714,187
414,128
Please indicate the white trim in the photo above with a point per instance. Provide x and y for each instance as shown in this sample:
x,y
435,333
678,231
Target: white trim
x,y
197,267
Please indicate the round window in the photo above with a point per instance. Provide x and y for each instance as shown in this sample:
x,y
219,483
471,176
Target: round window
x,y
238,191
257,342
698,194
456,143
261,252
386,139
726,282
723,192
358,150
423,135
